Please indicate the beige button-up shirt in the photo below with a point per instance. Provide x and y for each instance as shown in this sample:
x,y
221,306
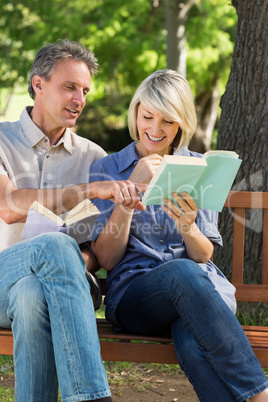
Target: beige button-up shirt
x,y
29,161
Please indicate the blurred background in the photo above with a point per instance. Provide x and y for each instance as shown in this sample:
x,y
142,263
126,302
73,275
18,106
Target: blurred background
x,y
131,39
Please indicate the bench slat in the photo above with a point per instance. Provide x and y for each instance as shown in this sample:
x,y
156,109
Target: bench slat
x,y
238,245
265,248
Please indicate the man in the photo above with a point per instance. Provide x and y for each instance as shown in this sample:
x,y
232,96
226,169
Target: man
x,y
44,295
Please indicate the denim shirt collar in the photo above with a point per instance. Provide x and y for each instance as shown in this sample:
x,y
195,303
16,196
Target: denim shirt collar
x,y
127,157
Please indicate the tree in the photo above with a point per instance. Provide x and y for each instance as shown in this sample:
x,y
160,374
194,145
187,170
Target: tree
x,y
244,123
130,41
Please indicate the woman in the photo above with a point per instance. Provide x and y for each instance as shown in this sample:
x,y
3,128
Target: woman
x,y
160,276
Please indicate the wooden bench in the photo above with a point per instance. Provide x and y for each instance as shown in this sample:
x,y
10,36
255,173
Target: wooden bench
x,y
133,348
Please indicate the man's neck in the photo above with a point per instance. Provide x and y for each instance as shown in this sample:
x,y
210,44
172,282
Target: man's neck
x,y
54,135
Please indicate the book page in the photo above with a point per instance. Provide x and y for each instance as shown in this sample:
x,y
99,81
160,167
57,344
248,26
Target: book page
x,y
41,209
229,154
83,209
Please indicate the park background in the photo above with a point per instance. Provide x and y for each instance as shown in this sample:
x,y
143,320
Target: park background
x,y
220,46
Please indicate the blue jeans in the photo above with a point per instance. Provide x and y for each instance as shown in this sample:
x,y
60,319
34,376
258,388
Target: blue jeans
x,y
45,298
209,342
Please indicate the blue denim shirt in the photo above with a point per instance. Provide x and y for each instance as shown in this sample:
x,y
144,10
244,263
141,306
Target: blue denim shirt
x,y
153,238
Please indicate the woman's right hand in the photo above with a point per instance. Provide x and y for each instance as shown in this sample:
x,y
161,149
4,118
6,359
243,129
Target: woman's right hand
x,y
145,169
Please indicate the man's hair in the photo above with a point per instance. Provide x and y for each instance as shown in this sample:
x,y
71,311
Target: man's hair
x,y
52,53
169,94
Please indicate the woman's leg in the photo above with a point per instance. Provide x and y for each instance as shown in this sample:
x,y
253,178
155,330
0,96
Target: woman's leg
x,y
193,360
180,288
56,262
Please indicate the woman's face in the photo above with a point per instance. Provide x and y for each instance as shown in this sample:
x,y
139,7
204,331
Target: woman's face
x,y
156,132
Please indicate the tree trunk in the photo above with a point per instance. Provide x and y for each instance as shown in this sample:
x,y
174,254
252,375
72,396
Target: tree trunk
x,y
206,109
176,17
244,125
206,104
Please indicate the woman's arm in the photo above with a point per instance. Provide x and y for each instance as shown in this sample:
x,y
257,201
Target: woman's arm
x,y
111,244
199,247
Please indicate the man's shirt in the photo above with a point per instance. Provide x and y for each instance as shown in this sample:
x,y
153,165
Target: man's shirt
x,y
29,161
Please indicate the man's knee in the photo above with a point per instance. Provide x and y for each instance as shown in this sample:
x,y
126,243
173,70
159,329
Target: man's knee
x,y
27,303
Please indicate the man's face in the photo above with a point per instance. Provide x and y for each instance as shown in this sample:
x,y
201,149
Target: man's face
x,y
63,96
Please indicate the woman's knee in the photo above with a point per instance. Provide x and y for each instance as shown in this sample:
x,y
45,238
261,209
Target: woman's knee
x,y
184,273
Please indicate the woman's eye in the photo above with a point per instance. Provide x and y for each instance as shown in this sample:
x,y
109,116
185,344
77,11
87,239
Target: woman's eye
x,y
147,118
168,122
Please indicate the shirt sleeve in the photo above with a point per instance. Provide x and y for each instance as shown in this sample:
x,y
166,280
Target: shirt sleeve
x,y
207,222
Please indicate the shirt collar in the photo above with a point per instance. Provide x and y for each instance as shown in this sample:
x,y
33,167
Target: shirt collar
x,y
34,135
126,157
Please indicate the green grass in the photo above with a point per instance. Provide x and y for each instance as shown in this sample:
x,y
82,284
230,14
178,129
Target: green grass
x,y
255,314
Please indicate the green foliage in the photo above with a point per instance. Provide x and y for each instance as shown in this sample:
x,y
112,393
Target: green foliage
x,y
129,39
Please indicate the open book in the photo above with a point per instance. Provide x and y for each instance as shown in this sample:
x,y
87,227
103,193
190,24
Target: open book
x,y
78,223
208,180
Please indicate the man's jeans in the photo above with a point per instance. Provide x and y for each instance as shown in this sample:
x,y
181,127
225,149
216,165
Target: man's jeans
x,y
209,342
44,296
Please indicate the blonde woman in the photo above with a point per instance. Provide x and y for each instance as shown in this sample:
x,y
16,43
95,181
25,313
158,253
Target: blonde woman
x,y
160,276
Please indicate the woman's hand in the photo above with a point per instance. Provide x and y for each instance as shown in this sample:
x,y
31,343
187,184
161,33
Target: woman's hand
x,y
199,247
185,215
145,169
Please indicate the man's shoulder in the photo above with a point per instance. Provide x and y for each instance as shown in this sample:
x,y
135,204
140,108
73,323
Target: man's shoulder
x,y
86,144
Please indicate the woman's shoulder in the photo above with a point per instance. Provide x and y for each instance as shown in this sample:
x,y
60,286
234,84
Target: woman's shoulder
x,y
115,159
183,151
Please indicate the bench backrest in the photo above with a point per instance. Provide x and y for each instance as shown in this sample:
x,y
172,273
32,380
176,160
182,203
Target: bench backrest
x,y
240,201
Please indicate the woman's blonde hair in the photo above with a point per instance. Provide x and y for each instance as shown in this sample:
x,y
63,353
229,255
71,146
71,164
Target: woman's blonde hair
x,y
169,94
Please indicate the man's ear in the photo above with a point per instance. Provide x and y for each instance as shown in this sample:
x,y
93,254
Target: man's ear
x,y
37,82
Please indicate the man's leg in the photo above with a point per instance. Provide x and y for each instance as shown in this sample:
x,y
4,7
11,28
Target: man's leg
x,y
35,370
56,261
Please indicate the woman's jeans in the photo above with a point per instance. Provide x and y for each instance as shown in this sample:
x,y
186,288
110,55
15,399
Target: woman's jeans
x,y
209,342
44,296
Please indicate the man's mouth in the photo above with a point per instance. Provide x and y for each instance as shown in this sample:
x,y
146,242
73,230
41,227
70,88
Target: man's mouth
x,y
74,112
155,139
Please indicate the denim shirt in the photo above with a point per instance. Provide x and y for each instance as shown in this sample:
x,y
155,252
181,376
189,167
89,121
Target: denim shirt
x,y
154,238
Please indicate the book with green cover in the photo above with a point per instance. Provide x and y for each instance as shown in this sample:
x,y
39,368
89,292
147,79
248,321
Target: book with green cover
x,y
207,179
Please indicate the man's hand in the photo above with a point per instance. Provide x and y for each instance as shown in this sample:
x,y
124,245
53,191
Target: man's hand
x,y
120,192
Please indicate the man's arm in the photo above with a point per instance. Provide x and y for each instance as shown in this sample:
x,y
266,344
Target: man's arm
x,y
14,203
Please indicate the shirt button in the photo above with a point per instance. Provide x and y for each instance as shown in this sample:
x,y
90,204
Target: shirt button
x,y
45,140
47,156
161,242
45,184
